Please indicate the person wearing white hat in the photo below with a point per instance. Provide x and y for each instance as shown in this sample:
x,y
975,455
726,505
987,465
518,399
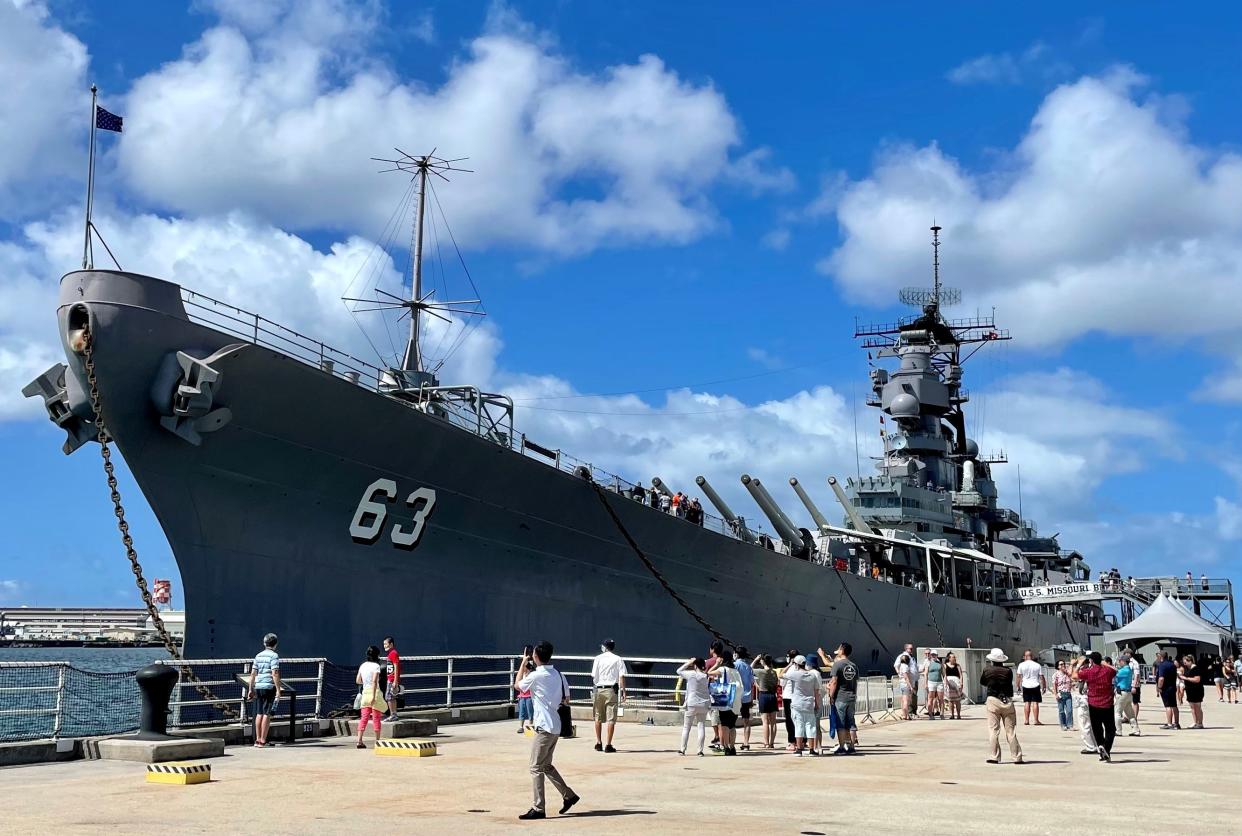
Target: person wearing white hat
x,y
806,688
997,680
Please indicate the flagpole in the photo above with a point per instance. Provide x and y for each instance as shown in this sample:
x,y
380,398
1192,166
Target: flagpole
x,y
90,183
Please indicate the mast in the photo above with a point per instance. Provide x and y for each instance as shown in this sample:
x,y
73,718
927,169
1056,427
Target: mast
x,y
413,360
412,373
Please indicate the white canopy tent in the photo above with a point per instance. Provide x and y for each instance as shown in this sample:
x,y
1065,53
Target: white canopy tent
x,y
1167,622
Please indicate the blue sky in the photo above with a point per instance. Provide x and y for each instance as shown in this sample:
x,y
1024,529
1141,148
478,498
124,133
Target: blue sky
x,y
667,195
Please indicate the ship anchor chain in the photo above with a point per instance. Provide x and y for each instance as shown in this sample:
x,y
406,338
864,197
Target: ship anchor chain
x,y
123,526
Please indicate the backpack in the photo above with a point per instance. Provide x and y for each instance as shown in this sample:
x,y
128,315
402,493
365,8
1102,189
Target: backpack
x,y
723,691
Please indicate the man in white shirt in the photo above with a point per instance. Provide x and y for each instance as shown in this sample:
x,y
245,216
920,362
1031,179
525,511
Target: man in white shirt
x,y
1031,678
548,689
608,679
914,691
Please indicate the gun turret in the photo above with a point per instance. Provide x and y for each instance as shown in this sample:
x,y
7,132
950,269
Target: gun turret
x,y
657,484
851,512
786,529
738,524
820,519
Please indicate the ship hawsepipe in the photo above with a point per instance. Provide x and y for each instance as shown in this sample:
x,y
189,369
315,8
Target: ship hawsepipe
x,y
259,513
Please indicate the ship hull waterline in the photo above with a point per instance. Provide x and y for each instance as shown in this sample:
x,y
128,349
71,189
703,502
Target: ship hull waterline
x,y
258,519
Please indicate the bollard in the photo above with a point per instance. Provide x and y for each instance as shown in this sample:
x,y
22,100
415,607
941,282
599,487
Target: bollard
x,y
156,683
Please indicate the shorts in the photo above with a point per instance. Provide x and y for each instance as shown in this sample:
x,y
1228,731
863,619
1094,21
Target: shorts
x,y
1220,680
604,705
845,714
904,689
1169,697
1035,695
1137,693
767,702
746,706
728,719
264,702
935,687
526,709
805,723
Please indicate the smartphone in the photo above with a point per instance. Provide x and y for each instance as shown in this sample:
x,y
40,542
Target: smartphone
x,y
529,649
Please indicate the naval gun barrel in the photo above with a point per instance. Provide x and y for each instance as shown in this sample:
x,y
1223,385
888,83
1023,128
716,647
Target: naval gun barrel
x,y
820,519
786,529
850,511
735,522
658,485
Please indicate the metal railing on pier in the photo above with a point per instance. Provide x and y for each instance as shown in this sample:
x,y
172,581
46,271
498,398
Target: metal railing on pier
x,y
56,700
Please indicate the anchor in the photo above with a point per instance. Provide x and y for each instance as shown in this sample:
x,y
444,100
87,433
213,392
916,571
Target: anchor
x,y
184,392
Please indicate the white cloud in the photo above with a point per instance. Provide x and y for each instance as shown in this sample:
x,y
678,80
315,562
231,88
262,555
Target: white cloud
x,y
1066,432
1007,68
999,68
777,239
9,590
1228,519
44,109
283,125
1105,217
765,358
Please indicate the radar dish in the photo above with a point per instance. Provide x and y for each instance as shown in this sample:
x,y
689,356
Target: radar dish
x,y
920,297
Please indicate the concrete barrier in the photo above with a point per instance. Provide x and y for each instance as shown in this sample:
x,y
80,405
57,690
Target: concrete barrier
x,y
38,751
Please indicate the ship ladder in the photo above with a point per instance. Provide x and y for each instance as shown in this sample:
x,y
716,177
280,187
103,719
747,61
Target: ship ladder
x,y
127,540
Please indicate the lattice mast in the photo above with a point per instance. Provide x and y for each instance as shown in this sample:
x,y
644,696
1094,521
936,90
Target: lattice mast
x,y
419,303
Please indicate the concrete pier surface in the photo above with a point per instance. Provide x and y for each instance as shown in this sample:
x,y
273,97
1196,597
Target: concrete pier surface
x,y
913,777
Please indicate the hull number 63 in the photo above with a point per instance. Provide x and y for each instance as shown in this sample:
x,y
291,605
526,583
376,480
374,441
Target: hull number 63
x,y
372,512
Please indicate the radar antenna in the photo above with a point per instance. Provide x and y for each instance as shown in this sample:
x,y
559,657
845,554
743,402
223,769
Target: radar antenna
x,y
419,303
931,300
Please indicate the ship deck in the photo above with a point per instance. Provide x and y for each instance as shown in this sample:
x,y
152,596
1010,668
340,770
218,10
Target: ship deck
x,y
479,783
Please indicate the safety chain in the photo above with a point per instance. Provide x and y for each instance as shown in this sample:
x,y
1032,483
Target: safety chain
x,y
123,526
654,571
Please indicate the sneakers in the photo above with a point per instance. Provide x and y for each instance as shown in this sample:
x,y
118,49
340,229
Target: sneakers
x,y
609,749
1086,751
532,813
993,760
361,745
569,802
1103,753
850,750
840,750
521,731
1019,759
681,751
599,747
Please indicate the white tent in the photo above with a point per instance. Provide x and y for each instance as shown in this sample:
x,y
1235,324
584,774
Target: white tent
x,y
1167,622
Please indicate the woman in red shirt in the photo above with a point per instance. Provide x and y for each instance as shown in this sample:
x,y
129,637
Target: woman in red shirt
x,y
1099,678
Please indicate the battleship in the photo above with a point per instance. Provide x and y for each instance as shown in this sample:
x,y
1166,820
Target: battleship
x,y
309,493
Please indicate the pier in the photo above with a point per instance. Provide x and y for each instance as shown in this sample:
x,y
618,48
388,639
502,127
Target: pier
x,y
932,771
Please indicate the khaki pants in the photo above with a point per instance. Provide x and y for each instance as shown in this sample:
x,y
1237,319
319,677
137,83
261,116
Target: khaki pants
x,y
1125,710
541,749
604,705
1003,714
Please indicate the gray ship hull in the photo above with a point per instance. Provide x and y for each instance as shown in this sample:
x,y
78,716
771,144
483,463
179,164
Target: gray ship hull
x,y
258,518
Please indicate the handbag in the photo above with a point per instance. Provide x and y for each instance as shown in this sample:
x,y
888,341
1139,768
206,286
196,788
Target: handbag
x,y
358,700
563,712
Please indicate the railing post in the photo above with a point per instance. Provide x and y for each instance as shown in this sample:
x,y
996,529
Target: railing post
x,y
60,699
176,701
319,690
448,699
256,329
512,672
